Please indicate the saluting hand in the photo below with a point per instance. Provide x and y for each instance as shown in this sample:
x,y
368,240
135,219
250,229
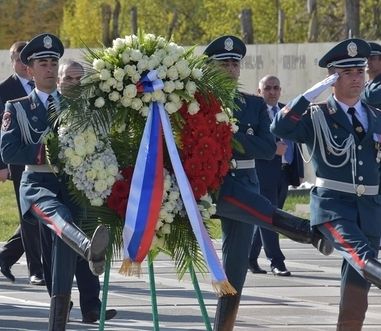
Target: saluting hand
x,y
312,93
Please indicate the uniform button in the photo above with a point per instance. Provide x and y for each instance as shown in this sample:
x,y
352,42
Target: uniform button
x,y
359,147
361,163
361,178
335,137
59,180
233,174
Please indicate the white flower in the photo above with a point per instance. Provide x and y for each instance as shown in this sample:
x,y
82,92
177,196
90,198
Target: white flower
x,y
171,107
172,73
126,102
98,165
193,107
222,117
136,103
130,91
98,64
75,160
97,202
179,85
183,69
118,44
119,74
168,61
142,65
136,55
161,72
191,88
121,127
91,174
158,96
104,74
114,96
169,86
131,39
99,102
126,57
147,97
166,229
196,73
112,169
144,111
234,127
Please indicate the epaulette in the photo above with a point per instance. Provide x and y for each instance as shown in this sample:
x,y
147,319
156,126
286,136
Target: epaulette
x,y
19,99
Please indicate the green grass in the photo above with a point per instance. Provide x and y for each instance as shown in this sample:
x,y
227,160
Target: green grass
x,y
9,218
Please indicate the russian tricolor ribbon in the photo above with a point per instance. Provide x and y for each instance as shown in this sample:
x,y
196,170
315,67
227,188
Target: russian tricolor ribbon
x,y
146,194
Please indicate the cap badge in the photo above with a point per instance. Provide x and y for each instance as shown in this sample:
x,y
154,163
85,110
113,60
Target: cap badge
x,y
228,45
47,42
352,49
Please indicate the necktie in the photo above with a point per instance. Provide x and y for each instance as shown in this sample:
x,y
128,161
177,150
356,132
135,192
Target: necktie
x,y
274,109
357,126
31,84
289,155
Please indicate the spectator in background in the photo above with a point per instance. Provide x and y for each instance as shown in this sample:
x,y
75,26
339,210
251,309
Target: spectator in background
x,y
372,92
26,238
286,168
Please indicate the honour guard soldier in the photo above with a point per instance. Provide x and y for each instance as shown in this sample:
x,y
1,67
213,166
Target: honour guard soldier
x,y
343,137
239,204
43,192
372,92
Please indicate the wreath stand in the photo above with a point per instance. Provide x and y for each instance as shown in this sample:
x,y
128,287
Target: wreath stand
x,y
155,315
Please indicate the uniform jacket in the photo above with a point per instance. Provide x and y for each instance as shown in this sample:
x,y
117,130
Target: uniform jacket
x,y
372,92
294,123
270,170
15,151
257,142
10,88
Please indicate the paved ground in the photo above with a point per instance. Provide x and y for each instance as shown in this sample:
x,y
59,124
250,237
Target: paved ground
x,y
306,301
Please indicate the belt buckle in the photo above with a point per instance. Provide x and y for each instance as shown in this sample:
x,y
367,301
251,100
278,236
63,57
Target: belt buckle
x,y
360,190
233,164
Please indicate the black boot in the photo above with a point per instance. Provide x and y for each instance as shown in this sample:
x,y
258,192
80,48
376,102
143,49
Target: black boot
x,y
59,310
372,272
93,250
226,312
299,230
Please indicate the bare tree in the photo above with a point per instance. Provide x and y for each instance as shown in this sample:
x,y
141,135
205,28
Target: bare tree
x,y
172,25
134,20
247,26
352,18
313,27
115,19
106,18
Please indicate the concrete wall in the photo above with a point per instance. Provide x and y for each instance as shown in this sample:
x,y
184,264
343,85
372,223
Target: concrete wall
x,y
294,64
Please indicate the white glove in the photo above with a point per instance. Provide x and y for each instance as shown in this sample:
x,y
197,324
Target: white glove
x,y
312,93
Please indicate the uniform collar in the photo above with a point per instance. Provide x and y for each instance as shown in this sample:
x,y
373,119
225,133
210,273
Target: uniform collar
x,y
43,96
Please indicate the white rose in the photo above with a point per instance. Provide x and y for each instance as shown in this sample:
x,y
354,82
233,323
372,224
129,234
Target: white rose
x,y
98,64
179,85
196,73
131,39
130,91
136,103
142,65
80,150
136,55
101,174
125,57
158,96
135,78
168,61
159,224
114,96
99,102
171,107
110,180
76,160
163,214
118,43
100,185
91,174
174,98
69,152
144,111
234,127
161,42
161,72
126,102
222,117
147,97
193,107
191,87
130,69
174,195
79,139
111,81
119,74
119,86
98,165
96,202
172,73
182,67
104,74
166,229
169,86
104,87
112,170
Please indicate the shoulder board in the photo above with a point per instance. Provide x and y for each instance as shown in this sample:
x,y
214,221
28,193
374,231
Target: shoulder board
x,y
19,99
